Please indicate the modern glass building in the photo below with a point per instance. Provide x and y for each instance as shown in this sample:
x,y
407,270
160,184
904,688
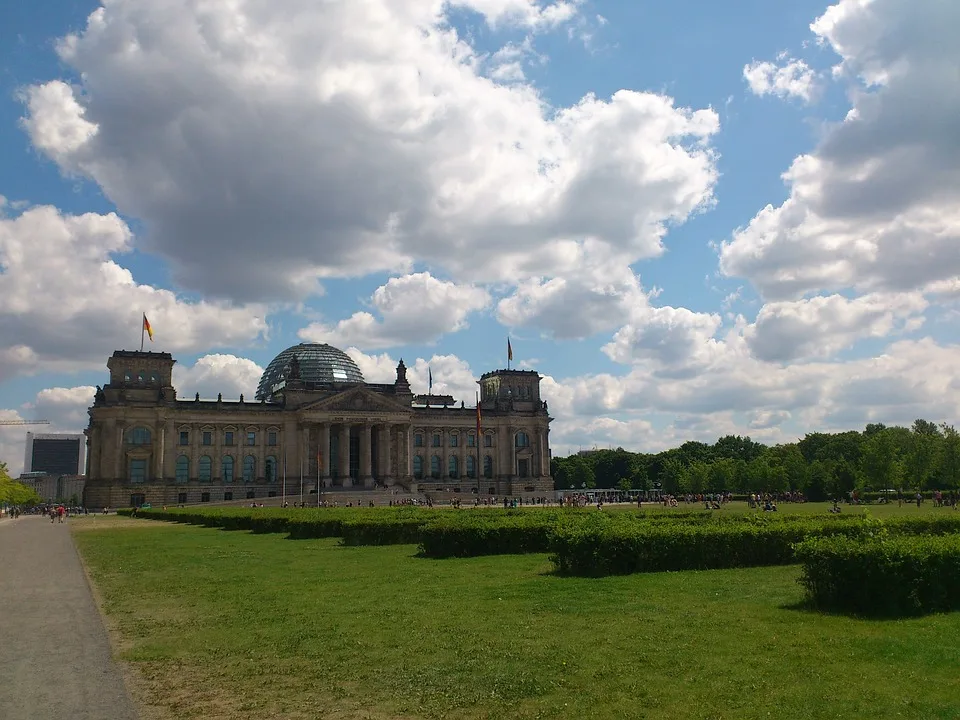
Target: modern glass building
x,y
55,454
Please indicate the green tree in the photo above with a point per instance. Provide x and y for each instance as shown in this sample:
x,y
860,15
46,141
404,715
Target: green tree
x,y
921,459
879,459
949,457
723,475
843,480
13,492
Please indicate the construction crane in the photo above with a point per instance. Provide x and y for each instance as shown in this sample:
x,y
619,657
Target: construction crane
x,y
24,422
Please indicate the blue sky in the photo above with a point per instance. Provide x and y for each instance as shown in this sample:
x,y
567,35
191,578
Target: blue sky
x,y
732,339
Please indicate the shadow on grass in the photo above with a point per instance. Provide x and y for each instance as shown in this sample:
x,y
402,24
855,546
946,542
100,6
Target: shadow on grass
x,y
808,607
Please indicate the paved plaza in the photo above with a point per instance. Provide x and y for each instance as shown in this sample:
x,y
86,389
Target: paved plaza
x,y
54,653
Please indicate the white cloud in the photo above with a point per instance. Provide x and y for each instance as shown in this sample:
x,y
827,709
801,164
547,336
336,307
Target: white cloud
x,y
529,14
66,304
875,206
416,308
451,374
821,326
211,375
266,147
674,338
794,78
592,300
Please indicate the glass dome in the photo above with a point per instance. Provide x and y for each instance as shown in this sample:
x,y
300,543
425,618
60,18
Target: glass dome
x,y
318,364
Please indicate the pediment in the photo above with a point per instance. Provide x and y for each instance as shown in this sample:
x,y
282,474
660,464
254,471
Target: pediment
x,y
358,401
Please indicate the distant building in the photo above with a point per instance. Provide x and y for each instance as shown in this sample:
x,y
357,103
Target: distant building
x,y
55,488
314,420
55,454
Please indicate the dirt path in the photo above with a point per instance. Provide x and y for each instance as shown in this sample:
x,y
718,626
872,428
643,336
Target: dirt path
x,y
54,653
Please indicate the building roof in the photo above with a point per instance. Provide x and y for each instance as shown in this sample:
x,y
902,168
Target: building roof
x,y
318,364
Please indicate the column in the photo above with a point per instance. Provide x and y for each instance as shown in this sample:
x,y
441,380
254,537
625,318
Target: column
x,y
344,457
366,447
291,450
545,452
325,454
171,439
406,433
159,448
119,469
386,470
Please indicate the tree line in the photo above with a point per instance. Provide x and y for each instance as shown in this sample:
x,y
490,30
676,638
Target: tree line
x,y
13,492
925,456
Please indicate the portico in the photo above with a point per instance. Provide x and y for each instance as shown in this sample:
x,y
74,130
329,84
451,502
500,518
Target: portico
x,y
354,451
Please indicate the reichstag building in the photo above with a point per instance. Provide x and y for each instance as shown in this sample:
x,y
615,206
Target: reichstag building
x,y
314,420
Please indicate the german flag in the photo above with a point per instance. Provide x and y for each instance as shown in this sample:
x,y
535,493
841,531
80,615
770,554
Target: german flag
x,y
147,328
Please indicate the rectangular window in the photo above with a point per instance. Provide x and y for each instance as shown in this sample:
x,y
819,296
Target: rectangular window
x,y
228,495
138,471
251,438
181,498
471,440
454,439
207,438
488,440
228,438
418,440
184,437
436,440
272,438
205,497
137,499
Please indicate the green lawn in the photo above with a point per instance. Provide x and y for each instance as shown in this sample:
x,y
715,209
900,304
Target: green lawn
x,y
232,625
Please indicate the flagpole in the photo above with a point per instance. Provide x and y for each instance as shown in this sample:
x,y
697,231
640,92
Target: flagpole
x,y
319,459
143,327
284,476
301,481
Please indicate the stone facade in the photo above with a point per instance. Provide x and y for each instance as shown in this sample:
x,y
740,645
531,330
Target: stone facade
x,y
146,445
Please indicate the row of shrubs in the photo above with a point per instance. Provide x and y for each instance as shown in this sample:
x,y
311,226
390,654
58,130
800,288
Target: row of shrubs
x,y
882,576
580,542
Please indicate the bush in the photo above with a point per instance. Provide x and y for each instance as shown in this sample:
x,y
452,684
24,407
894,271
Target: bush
x,y
617,548
882,576
382,530
478,532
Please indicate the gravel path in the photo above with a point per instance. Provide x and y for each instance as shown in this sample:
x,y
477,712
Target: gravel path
x,y
54,653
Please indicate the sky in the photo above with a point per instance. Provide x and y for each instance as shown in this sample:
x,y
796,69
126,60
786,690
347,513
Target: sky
x,y
693,219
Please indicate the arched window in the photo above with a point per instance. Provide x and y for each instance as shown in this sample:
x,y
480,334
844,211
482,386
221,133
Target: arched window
x,y
435,467
142,376
471,466
183,469
487,466
127,376
454,467
418,467
227,469
155,377
270,469
523,440
249,469
205,468
139,436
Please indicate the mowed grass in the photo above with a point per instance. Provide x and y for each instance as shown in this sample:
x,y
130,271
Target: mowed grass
x,y
233,625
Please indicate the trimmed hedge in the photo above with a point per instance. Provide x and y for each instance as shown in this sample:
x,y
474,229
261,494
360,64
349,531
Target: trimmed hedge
x,y
476,533
883,576
382,530
599,549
